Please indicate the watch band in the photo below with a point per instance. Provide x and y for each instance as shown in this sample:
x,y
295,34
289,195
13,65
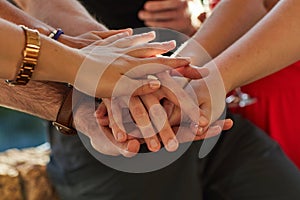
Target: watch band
x,y
64,118
30,57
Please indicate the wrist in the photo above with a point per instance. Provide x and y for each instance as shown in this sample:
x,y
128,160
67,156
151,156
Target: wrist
x,y
30,57
195,51
57,62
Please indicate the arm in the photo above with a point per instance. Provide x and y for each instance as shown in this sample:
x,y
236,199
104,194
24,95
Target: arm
x,y
41,99
258,53
44,99
11,13
15,15
12,37
52,12
273,42
228,22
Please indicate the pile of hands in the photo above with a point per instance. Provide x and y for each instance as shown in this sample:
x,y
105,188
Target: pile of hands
x,y
151,103
145,97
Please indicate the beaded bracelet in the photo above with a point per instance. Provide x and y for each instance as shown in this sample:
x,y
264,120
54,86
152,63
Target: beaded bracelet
x,y
56,34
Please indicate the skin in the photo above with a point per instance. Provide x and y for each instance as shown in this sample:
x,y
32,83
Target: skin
x,y
50,114
177,15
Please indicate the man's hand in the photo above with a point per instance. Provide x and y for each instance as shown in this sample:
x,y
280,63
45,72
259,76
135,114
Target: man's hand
x,y
179,15
101,138
151,117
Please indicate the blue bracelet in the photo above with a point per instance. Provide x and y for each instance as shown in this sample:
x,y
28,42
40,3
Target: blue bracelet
x,y
56,34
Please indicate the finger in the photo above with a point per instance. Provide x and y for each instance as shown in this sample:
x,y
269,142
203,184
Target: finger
x,y
135,40
106,34
151,49
157,6
105,143
169,107
159,119
101,115
228,124
225,124
179,97
143,122
115,119
135,134
191,72
154,65
112,39
132,87
128,148
175,117
186,134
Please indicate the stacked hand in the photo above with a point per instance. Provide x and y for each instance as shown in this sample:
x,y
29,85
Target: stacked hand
x,y
143,109
154,122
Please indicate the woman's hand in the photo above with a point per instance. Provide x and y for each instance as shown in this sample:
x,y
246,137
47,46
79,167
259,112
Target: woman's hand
x,y
88,38
117,65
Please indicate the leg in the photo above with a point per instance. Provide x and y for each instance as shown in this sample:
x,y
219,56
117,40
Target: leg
x,y
247,164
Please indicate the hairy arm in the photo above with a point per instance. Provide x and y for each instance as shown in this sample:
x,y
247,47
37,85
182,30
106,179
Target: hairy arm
x,y
67,14
41,99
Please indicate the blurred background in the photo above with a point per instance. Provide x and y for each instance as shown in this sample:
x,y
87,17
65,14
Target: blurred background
x,y
19,130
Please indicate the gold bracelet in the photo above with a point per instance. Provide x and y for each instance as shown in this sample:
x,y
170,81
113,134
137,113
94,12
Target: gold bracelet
x,y
30,57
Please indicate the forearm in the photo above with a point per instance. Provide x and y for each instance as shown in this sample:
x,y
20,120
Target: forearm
x,y
229,21
15,15
67,14
36,98
53,56
270,46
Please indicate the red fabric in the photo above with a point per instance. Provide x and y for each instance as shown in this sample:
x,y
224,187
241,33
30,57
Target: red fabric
x,y
213,3
277,108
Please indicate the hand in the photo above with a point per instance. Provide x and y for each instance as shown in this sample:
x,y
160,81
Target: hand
x,y
88,38
116,60
143,120
101,138
162,120
179,15
210,93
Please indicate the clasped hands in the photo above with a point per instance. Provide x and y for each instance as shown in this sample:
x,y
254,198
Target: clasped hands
x,y
164,109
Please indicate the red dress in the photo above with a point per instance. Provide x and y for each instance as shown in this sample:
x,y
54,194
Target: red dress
x,y
277,109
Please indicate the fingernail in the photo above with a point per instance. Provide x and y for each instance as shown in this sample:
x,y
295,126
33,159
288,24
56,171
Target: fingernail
x,y
172,144
173,42
154,84
95,114
200,129
120,136
194,127
150,33
153,143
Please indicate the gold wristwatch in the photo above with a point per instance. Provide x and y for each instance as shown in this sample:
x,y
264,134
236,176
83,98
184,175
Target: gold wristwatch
x,y
30,57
